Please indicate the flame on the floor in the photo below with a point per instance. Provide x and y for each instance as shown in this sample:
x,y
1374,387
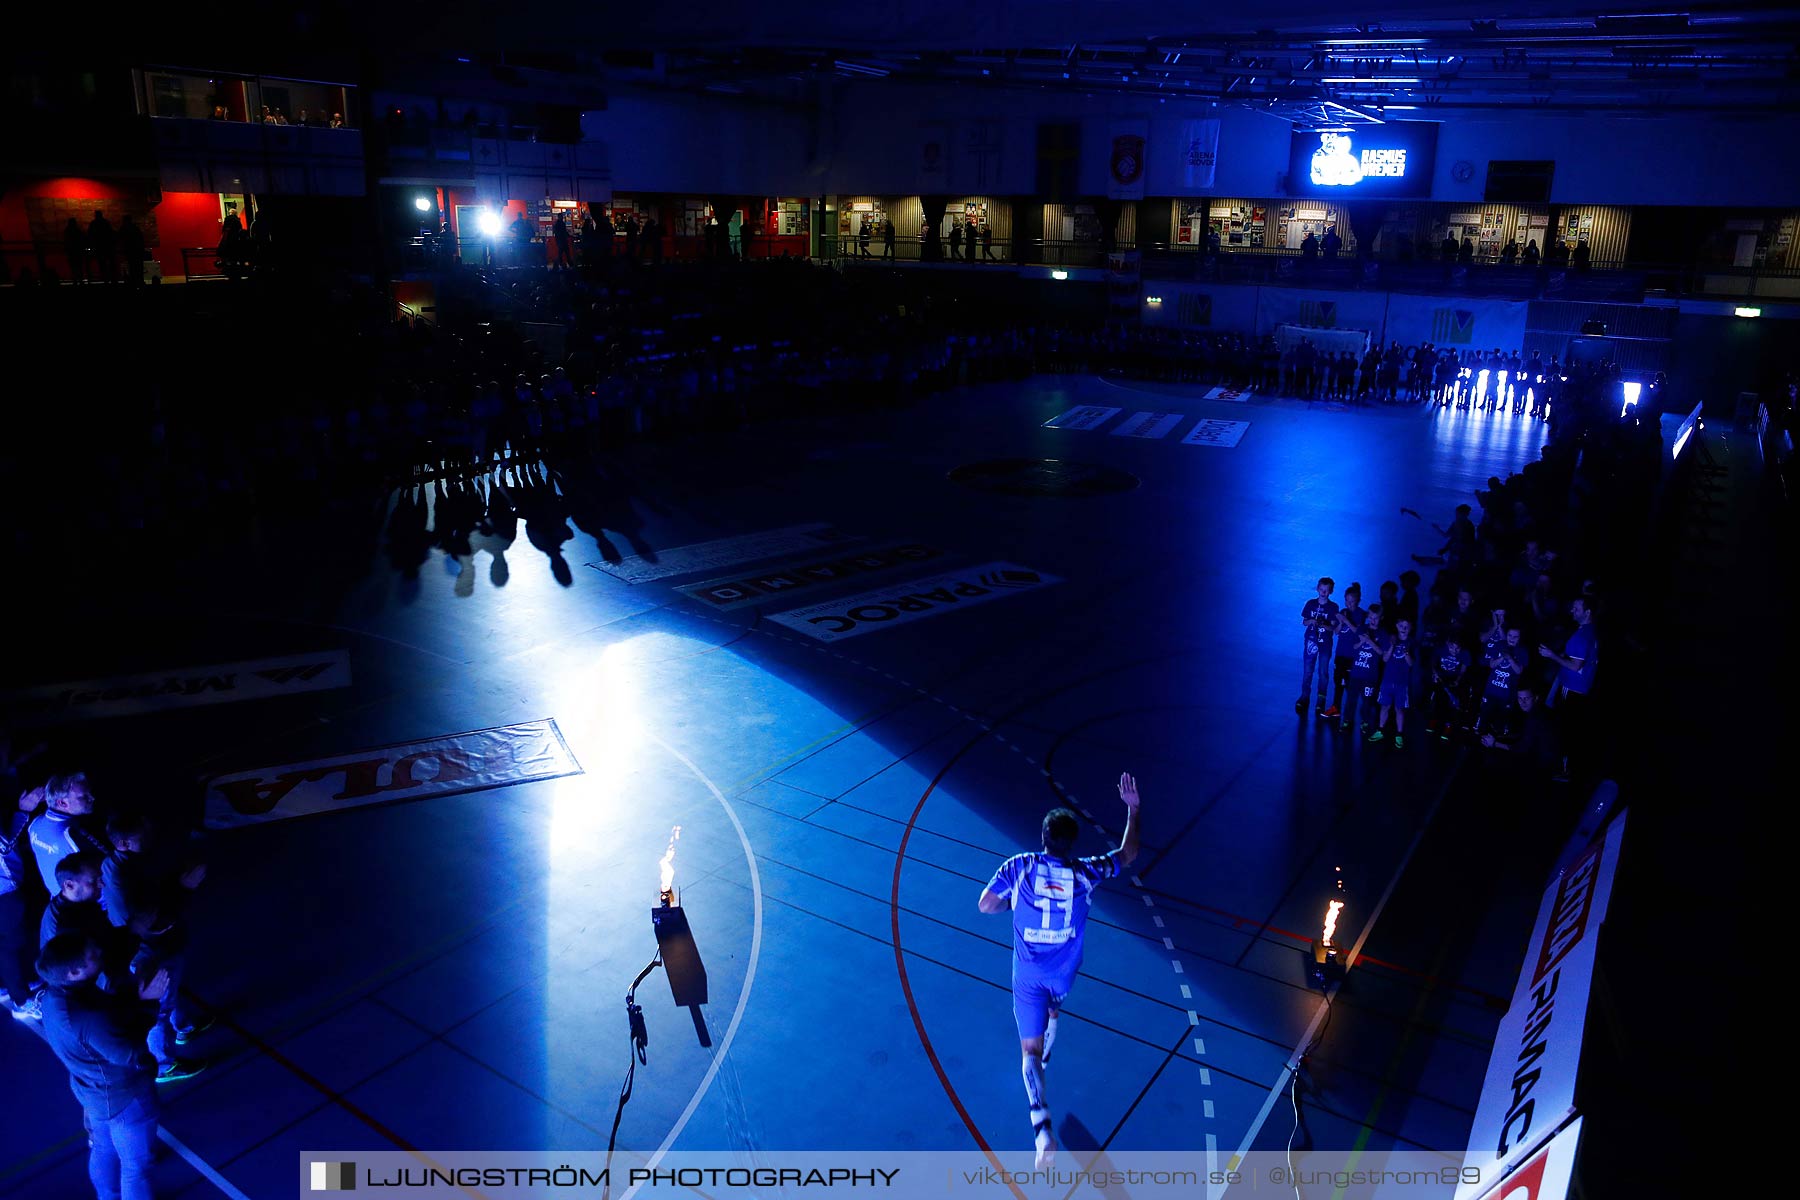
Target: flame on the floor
x,y
1331,916
667,864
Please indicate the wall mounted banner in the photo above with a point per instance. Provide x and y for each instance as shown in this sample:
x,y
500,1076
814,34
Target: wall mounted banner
x,y
1530,1087
725,553
746,591
1234,395
1456,323
1320,309
445,766
1148,425
178,687
1088,416
1125,159
851,616
1199,153
1223,434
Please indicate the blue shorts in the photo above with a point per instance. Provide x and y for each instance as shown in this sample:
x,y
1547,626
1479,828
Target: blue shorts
x,y
1394,692
1033,998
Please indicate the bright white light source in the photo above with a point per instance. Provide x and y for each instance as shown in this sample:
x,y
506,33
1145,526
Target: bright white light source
x,y
1152,299
1631,391
1331,918
489,222
422,204
1059,274
1748,312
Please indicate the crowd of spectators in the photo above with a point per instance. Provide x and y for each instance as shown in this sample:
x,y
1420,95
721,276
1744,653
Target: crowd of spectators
x,y
1503,649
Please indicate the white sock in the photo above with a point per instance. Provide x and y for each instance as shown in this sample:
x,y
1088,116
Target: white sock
x,y
1049,1038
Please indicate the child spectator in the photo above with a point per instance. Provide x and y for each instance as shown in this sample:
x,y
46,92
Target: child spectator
x,y
1396,684
1506,661
1365,671
1351,620
1318,617
1444,699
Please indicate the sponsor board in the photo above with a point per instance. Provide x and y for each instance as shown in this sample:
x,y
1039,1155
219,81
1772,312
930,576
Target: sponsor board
x,y
443,766
911,600
724,553
750,589
1236,395
1223,434
1530,1086
1547,1174
1148,425
1087,416
179,687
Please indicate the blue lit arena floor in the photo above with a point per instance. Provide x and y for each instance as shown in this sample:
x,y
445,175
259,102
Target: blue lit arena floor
x,y
449,972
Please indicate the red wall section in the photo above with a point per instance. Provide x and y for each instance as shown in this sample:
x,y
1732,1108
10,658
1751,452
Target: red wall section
x,y
185,220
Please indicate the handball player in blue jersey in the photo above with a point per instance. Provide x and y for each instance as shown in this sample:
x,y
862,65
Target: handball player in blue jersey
x,y
1049,894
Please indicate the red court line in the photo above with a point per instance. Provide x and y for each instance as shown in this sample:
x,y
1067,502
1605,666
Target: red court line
x,y
905,981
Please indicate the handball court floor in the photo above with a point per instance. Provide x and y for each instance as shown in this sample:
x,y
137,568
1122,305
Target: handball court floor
x,y
449,973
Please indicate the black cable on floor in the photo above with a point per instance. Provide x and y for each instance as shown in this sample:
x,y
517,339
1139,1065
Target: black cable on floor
x,y
640,1045
1294,1090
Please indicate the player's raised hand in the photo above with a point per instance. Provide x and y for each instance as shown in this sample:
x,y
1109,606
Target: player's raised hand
x,y
1128,791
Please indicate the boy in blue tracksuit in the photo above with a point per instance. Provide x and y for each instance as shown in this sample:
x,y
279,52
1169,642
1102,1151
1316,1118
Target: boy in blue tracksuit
x,y
1366,663
1318,617
1049,894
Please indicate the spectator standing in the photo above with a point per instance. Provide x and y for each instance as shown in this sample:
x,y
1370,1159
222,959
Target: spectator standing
x,y
18,890
987,242
99,1041
1365,672
1351,619
863,233
1309,248
1531,255
103,242
1330,244
559,233
1400,657
887,239
1448,250
956,241
66,826
1582,255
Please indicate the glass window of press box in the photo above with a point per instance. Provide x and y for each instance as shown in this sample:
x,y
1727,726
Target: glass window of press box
x,y
247,99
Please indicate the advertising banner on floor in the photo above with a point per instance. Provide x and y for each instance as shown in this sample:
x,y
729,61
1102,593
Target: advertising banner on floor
x,y
1084,417
1530,1087
1199,153
1125,159
177,687
1457,324
1150,425
1318,309
1227,307
444,766
914,600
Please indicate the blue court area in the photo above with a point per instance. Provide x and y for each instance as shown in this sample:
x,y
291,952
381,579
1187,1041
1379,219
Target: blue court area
x,y
448,971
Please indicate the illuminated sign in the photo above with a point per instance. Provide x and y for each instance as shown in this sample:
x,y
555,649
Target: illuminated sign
x,y
1394,159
